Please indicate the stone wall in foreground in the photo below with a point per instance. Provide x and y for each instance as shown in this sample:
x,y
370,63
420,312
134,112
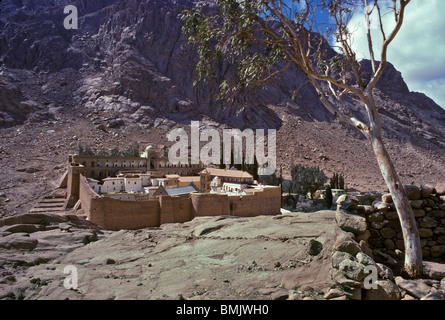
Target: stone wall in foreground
x,y
429,210
370,239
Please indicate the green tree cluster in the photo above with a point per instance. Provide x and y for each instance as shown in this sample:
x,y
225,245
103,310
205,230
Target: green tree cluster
x,y
328,198
307,179
337,181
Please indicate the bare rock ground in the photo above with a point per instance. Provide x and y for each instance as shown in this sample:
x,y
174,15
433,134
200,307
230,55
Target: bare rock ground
x,y
265,257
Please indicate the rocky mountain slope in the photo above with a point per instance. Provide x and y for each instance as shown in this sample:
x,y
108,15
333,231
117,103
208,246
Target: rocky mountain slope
x,y
128,60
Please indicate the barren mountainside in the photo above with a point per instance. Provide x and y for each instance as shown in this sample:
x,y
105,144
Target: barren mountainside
x,y
129,61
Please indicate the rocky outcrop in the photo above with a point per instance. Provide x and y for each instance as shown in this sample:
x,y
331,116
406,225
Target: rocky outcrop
x,y
14,107
353,264
266,257
130,55
33,240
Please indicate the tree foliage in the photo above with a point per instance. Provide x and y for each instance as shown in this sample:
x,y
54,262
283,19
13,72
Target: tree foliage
x,y
337,181
262,39
307,179
328,197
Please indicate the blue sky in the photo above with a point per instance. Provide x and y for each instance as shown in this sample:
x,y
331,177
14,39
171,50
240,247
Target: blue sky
x,y
418,51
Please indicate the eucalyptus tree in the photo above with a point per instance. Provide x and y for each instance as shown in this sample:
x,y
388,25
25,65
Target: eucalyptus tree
x,y
262,39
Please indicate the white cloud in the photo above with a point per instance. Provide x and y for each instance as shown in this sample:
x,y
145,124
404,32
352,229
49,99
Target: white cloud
x,y
418,51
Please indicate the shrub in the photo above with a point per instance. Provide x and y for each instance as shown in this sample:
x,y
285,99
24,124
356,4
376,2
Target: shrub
x,y
307,179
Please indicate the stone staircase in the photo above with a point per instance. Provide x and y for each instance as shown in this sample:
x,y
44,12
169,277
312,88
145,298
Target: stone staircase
x,y
54,204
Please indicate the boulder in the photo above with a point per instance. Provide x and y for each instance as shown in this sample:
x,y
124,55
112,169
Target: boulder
x,y
387,233
437,213
20,228
339,256
347,202
389,244
385,272
350,222
334,293
426,191
364,259
440,189
425,233
419,213
387,198
353,270
381,206
32,218
379,224
434,270
434,296
363,236
437,251
315,247
365,209
391,215
349,246
18,241
416,288
115,123
386,290
428,222
412,192
378,216
416,204
364,247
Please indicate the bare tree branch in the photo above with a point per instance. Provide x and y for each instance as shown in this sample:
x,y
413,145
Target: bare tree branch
x,y
386,43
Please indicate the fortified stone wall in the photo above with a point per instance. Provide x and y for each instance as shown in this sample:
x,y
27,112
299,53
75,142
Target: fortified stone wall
x,y
87,197
115,214
122,214
175,209
266,202
206,204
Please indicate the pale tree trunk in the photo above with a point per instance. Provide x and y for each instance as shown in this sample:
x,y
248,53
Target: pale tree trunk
x,y
413,249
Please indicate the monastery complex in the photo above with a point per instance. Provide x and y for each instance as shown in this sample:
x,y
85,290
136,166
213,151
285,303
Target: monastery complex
x,y
147,191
